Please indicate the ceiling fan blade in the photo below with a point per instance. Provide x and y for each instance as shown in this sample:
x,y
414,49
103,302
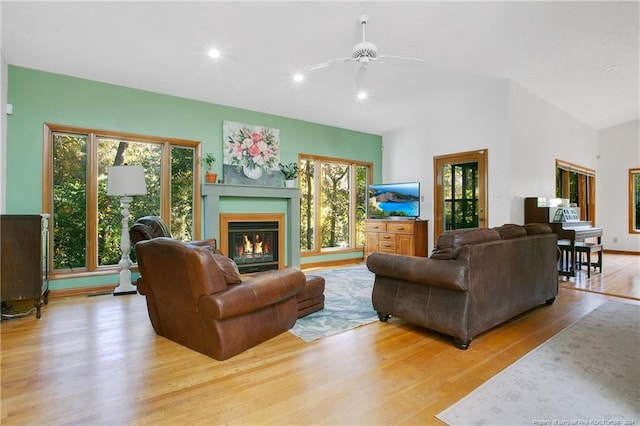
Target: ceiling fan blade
x,y
325,64
381,58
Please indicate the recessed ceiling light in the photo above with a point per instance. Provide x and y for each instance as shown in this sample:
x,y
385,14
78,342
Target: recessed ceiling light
x,y
362,95
610,70
214,53
298,77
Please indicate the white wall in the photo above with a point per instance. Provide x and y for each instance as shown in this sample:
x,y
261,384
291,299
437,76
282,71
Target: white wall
x,y
618,151
523,133
540,134
478,122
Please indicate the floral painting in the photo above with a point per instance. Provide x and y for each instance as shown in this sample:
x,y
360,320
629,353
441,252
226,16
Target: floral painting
x,y
251,154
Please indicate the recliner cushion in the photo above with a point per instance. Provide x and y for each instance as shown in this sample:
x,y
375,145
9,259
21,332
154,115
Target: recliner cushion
x,y
229,269
146,228
156,225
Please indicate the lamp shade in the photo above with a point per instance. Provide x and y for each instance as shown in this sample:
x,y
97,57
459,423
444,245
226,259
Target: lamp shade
x,y
126,180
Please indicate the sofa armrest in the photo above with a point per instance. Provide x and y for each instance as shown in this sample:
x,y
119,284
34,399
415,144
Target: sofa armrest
x,y
420,270
253,293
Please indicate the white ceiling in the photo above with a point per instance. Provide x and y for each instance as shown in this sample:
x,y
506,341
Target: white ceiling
x,y
557,50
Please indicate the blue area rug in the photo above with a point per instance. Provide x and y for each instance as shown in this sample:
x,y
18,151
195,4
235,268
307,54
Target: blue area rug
x,y
347,304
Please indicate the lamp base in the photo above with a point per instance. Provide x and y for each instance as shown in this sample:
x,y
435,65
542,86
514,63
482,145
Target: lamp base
x,y
122,293
125,286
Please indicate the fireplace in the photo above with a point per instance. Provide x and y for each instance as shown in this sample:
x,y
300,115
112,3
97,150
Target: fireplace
x,y
255,241
253,245
218,198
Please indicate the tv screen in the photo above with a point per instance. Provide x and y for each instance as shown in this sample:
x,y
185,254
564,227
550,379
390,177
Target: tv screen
x,y
388,200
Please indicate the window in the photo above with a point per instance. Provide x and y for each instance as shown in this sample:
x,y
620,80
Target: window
x,y
634,201
87,224
461,196
333,204
578,184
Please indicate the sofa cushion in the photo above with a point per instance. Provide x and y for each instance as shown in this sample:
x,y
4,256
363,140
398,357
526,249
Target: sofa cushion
x,y
511,230
445,253
461,237
537,228
229,269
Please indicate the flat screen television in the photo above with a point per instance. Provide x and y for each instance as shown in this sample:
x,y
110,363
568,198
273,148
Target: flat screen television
x,y
394,200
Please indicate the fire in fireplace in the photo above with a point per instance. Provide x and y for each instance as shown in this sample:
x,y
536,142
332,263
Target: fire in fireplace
x,y
254,245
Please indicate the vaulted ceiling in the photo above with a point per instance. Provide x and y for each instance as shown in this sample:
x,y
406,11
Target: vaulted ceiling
x,y
583,57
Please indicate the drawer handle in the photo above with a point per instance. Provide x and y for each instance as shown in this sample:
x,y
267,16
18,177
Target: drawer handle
x,y
386,237
387,245
400,228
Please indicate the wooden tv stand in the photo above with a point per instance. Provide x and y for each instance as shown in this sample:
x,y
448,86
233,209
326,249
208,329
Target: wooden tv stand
x,y
396,236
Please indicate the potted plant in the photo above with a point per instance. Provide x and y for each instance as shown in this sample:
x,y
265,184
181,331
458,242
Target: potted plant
x,y
208,160
290,173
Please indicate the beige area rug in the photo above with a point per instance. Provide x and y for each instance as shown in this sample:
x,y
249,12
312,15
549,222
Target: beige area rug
x,y
588,374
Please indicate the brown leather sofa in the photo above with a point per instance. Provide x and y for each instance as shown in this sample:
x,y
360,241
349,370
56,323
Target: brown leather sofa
x,y
474,280
198,299
148,227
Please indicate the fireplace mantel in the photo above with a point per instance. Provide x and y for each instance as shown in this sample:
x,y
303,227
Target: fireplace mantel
x,y
211,194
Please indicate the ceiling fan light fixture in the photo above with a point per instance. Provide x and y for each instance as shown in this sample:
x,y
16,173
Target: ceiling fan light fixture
x,y
298,77
214,53
364,51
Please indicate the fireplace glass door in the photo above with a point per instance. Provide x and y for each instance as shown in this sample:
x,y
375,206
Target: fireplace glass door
x,y
254,245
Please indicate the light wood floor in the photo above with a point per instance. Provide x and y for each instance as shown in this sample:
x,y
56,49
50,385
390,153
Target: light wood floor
x,y
620,277
96,360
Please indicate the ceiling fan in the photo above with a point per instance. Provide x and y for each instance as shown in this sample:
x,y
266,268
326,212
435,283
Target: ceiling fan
x,y
364,53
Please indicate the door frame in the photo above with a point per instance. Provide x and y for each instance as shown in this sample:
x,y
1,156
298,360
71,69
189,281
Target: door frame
x,y
481,157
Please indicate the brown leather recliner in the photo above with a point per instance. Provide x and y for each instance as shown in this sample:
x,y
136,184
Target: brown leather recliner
x,y
148,227
197,298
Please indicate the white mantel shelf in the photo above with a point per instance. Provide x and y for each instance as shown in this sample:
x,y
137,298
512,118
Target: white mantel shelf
x,y
212,192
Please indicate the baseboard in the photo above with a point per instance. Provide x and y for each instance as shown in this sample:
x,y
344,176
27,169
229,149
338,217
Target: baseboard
x,y
632,253
330,263
82,291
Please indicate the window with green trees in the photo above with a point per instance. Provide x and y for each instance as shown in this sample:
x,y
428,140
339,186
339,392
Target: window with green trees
x,y
461,195
578,185
86,223
333,204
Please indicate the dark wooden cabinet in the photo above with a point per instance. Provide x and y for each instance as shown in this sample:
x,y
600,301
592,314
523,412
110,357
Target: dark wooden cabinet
x,y
23,257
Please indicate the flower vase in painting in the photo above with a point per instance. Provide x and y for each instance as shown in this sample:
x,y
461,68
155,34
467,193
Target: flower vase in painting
x,y
251,154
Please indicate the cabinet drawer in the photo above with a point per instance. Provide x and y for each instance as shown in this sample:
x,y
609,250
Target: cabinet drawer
x,y
387,246
375,227
400,228
386,237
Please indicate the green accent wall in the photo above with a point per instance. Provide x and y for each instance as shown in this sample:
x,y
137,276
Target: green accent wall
x,y
40,97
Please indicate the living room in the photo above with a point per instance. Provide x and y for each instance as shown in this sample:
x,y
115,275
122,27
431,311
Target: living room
x,y
523,131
